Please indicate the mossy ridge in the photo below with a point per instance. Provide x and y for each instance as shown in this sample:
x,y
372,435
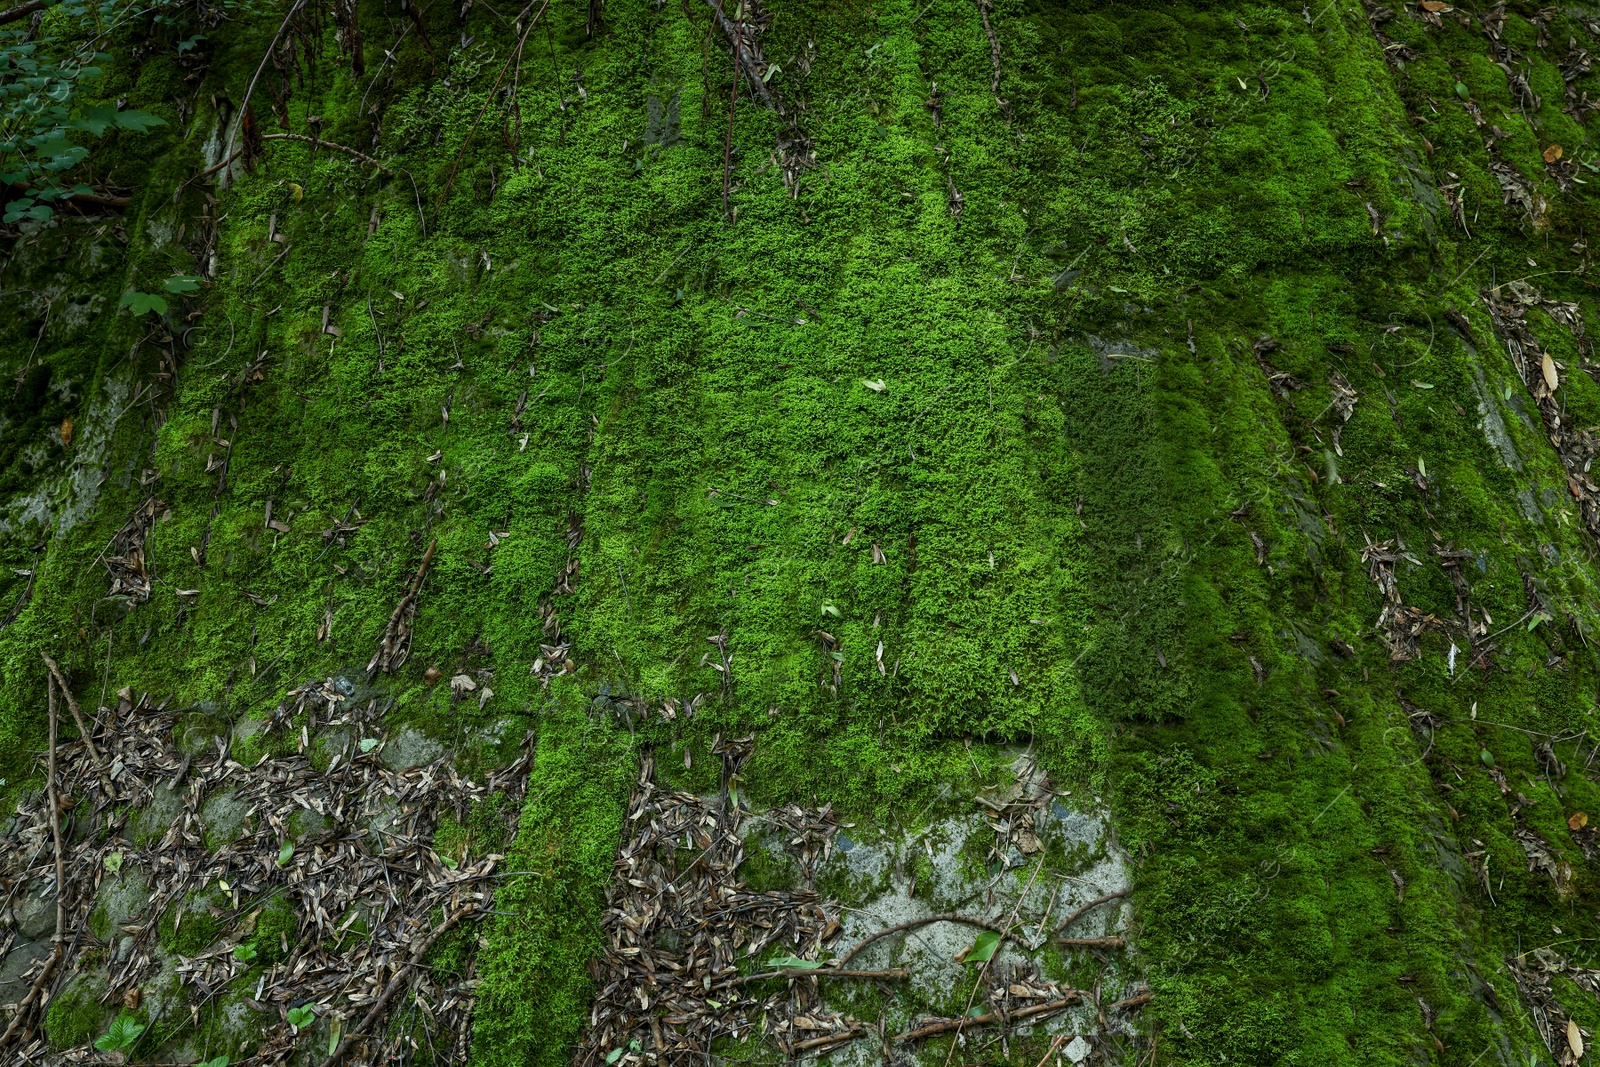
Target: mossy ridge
x,y
1234,216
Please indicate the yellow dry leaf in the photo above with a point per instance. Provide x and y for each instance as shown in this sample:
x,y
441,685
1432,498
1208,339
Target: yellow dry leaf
x,y
1578,821
1575,1040
1552,153
1549,367
66,432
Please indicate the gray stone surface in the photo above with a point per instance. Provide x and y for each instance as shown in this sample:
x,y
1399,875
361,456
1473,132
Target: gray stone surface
x,y
34,914
223,817
410,748
122,896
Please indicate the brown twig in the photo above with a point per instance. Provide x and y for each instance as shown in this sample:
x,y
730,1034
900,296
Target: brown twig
x,y
985,968
1084,909
893,974
727,150
244,107
455,164
1092,942
21,11
830,1039
77,714
314,142
25,1009
393,987
743,56
944,1026
1128,1003
943,917
994,51
1060,1039
389,655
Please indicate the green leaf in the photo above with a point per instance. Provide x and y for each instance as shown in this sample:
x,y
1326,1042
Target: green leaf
x,y
1487,757
448,861
286,853
300,1018
369,743
185,46
784,963
182,283
113,862
139,120
983,948
613,1056
125,1030
220,1061
244,952
1463,92
139,303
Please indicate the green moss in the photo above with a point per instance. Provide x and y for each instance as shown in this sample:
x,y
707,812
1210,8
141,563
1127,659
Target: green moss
x,y
1073,447
75,1016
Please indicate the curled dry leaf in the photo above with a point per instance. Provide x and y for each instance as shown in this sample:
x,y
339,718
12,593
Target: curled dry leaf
x,y
1578,821
1552,154
66,432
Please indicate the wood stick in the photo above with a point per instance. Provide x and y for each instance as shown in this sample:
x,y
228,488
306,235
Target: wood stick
x,y
1128,1003
419,951
829,1039
21,11
944,1026
314,142
1092,942
985,968
943,917
72,705
893,974
25,1009
1091,905
1060,1039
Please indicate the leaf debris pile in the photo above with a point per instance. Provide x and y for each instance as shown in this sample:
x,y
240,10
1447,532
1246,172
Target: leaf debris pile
x,y
374,864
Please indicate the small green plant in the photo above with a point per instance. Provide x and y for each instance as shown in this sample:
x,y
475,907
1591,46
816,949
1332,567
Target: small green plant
x,y
125,1030
220,1061
285,854
301,1017
244,952
139,303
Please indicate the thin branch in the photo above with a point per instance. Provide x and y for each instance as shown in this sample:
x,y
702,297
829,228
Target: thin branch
x,y
1092,942
944,1026
830,1039
944,917
244,108
893,974
22,11
419,951
314,142
1090,906
77,715
25,1009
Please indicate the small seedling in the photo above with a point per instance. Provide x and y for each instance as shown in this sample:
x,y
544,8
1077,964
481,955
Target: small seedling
x,y
301,1017
244,952
285,854
125,1030
220,1061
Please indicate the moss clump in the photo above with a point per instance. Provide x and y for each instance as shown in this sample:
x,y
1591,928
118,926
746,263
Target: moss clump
x,y
75,1016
